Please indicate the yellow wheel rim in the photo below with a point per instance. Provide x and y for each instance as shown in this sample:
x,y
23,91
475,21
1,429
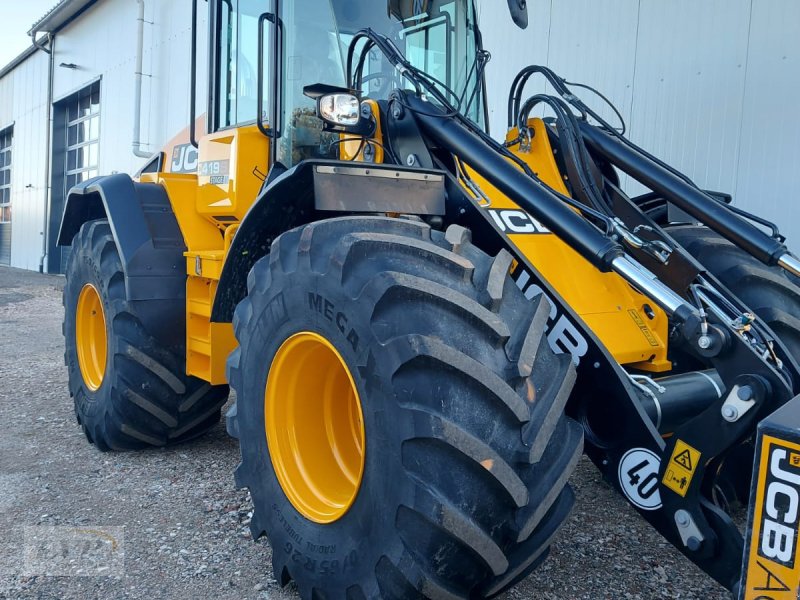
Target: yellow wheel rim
x,y
90,337
315,428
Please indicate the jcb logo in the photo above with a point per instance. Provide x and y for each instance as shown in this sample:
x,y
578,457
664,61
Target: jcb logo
x,y
780,512
516,221
562,336
184,159
772,570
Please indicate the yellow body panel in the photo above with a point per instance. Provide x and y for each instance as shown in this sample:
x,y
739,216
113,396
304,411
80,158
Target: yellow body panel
x,y
207,344
208,206
228,172
199,233
612,309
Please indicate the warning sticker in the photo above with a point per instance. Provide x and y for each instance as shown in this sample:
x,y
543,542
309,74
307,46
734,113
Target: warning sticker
x,y
681,468
684,459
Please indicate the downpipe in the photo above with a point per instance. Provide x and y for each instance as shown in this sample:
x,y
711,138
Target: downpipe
x,y
137,94
49,49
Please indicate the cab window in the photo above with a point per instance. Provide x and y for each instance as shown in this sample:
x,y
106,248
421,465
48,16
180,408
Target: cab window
x,y
236,57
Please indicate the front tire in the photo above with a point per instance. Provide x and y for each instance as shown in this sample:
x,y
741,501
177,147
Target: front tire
x,y
130,391
467,451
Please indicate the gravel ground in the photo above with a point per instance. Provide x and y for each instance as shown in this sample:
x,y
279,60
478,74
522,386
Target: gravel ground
x,y
185,528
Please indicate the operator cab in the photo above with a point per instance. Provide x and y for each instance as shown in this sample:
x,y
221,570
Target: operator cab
x,y
302,42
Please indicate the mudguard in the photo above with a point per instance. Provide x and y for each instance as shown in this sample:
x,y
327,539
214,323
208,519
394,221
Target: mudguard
x,y
284,203
306,193
145,229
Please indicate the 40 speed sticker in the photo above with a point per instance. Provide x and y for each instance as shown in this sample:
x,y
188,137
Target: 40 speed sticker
x,y
638,478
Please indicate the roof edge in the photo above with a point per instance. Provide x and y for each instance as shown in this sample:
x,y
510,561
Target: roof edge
x,y
25,55
58,16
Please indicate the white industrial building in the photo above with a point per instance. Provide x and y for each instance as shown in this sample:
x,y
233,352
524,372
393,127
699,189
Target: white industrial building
x,y
711,86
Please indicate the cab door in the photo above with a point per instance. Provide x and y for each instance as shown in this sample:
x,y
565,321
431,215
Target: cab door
x,y
235,155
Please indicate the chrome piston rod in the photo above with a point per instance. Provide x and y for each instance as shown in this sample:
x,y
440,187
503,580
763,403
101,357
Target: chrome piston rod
x,y
647,283
790,263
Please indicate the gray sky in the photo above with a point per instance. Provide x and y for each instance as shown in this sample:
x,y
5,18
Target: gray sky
x,y
16,19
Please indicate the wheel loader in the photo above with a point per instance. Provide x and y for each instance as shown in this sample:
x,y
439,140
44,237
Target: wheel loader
x,y
425,328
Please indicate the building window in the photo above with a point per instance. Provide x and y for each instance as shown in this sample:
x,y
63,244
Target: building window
x,y
83,136
5,175
5,195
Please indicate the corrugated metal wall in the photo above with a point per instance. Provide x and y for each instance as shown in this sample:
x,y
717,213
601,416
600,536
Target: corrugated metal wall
x,y
709,86
23,103
103,45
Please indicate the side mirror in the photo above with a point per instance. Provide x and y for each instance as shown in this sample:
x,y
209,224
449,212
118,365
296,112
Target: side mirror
x,y
340,110
519,12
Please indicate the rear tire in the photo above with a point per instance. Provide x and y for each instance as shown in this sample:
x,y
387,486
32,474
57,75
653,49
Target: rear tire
x,y
468,450
144,398
771,292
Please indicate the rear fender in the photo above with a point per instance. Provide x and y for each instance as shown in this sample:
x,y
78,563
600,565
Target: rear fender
x,y
149,242
148,238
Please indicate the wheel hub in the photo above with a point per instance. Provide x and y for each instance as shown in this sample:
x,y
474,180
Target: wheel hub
x,y
90,337
314,427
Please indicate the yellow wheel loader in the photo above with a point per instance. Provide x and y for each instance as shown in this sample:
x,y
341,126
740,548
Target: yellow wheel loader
x,y
425,327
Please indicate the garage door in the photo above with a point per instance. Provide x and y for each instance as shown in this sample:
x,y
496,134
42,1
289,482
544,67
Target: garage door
x,y
76,136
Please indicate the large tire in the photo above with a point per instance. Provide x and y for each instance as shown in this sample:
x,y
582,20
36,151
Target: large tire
x,y
144,397
772,293
468,451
